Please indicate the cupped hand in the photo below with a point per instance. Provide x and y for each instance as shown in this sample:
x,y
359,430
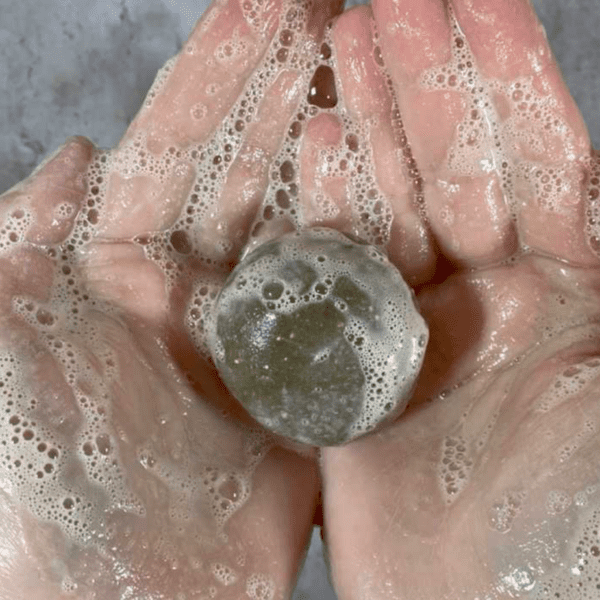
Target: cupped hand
x,y
487,486
446,137
127,471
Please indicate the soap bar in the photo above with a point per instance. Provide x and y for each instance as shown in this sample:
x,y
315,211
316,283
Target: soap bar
x,y
318,336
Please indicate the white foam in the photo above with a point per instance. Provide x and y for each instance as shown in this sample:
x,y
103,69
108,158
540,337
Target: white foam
x,y
454,467
260,587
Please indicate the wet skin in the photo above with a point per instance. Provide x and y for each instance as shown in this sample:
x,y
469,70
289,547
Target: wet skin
x,y
487,485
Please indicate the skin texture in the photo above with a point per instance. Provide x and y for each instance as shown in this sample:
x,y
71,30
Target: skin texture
x,y
389,530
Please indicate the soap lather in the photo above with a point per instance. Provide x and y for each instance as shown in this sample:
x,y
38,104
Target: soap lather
x,y
318,336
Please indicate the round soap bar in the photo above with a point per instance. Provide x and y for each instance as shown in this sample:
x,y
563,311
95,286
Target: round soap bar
x,y
318,337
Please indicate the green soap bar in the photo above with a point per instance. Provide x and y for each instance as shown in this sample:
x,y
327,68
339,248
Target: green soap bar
x,y
317,335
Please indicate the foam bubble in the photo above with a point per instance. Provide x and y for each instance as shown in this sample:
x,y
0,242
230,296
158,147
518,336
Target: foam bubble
x,y
593,203
454,468
159,82
260,587
573,381
505,510
501,118
224,574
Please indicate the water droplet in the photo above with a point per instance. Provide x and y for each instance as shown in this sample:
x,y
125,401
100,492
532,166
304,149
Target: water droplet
x,y
352,142
519,580
282,55
282,199
103,444
325,51
44,317
198,111
378,56
295,130
286,37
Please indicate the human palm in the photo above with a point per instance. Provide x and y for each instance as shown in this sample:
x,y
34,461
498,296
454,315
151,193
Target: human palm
x,y
147,479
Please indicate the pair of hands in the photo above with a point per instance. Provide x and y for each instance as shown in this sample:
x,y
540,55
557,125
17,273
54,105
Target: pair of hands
x,y
128,471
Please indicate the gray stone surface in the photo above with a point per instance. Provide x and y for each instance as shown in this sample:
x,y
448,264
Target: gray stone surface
x,y
80,66
84,66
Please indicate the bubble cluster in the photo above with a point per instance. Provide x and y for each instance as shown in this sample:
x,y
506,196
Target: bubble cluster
x,y
454,468
260,587
561,560
199,310
505,511
500,119
580,577
160,80
573,381
557,502
224,574
593,203
14,227
318,337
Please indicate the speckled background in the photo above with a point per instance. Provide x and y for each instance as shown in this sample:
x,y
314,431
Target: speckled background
x,y
84,66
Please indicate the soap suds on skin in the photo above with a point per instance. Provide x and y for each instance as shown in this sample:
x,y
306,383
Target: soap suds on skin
x,y
69,467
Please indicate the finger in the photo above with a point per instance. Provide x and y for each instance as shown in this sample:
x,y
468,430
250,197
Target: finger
x,y
134,205
39,211
194,93
368,99
403,28
48,201
120,273
198,131
190,98
145,202
26,278
225,230
508,40
277,520
463,196
323,198
547,164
